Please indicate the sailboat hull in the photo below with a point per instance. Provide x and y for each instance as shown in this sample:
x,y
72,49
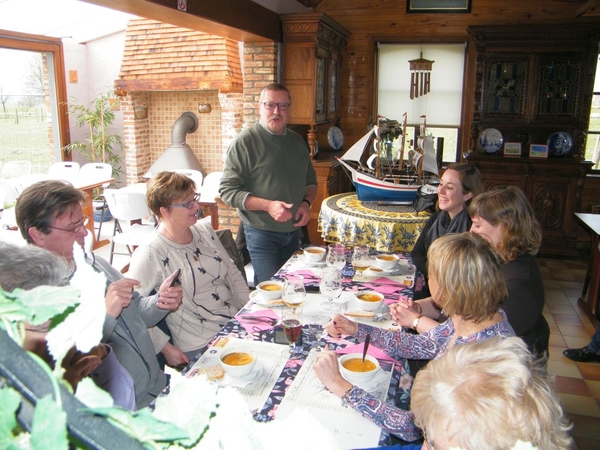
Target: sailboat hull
x,y
370,188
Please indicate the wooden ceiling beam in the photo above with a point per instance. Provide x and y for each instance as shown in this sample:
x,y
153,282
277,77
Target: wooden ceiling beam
x,y
240,20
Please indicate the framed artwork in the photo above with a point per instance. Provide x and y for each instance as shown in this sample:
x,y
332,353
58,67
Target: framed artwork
x,y
512,149
538,151
438,6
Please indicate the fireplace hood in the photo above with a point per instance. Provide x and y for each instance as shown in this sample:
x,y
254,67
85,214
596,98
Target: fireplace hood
x,y
178,155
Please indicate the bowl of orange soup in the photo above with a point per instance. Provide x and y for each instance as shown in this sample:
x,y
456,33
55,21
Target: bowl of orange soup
x,y
270,289
369,300
237,363
355,370
314,254
387,261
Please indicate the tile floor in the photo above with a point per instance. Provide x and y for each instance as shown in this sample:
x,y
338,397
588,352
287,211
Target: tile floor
x,y
578,384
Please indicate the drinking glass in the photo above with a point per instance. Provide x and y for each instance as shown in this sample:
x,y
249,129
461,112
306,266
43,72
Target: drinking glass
x,y
316,326
336,256
361,260
292,328
294,293
330,287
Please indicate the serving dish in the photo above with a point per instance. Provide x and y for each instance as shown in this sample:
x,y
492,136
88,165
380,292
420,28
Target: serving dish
x,y
491,140
560,143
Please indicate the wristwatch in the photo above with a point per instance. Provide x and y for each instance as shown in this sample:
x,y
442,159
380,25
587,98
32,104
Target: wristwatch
x,y
415,322
306,200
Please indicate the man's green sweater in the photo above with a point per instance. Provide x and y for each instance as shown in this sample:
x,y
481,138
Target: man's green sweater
x,y
269,166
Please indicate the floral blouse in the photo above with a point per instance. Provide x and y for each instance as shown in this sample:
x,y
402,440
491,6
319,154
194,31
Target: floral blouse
x,y
401,345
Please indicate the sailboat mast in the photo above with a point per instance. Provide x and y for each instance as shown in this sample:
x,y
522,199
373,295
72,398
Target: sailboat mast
x,y
401,156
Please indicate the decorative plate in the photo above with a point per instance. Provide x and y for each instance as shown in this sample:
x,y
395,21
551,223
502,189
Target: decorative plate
x,y
491,140
560,143
335,138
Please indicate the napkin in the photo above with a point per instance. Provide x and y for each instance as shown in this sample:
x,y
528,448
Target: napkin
x,y
372,350
309,276
385,286
264,319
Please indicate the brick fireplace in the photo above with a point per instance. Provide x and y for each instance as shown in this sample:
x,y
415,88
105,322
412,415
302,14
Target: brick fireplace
x,y
171,70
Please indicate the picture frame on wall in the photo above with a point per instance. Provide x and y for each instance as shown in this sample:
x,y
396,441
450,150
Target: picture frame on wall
x,y
438,6
538,151
512,149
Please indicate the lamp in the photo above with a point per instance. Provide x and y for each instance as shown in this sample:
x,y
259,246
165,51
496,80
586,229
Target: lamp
x,y
420,77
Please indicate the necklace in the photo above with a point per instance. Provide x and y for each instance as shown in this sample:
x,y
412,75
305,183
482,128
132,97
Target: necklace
x,y
188,239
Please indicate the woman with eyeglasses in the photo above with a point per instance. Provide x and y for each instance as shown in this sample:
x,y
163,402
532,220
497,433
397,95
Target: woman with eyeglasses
x,y
213,287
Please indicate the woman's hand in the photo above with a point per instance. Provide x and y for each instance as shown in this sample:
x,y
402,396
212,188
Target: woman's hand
x,y
169,297
327,369
404,312
174,356
340,325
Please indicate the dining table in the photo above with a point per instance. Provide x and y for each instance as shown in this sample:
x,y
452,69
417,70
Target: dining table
x,y
282,382
383,226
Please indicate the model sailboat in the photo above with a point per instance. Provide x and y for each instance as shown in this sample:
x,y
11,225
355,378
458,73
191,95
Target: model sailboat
x,y
384,175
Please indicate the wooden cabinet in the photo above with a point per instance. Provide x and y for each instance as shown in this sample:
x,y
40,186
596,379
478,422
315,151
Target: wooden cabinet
x,y
553,187
312,54
331,180
533,81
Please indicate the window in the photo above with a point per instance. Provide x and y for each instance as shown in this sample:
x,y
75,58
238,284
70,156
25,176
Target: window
x,y
592,146
33,120
441,106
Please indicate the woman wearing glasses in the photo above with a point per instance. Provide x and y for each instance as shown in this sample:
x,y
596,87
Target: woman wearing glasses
x,y
213,287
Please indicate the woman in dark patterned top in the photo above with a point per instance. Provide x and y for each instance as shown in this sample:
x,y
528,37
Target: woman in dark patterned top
x,y
465,280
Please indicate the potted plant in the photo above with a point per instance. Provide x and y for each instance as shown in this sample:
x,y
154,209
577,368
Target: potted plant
x,y
101,144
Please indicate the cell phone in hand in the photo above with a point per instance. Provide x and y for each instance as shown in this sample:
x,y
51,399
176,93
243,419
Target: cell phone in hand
x,y
176,281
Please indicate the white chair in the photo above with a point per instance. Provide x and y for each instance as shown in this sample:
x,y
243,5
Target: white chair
x,y
195,175
64,170
95,171
129,206
11,169
10,192
210,187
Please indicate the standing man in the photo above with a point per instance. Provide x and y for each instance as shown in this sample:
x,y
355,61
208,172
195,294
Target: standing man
x,y
270,179
49,215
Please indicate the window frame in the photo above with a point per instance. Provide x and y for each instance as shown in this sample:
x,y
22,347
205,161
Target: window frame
x,y
37,43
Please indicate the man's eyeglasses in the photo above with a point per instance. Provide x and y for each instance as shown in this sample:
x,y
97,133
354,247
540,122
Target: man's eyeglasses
x,y
84,221
188,205
270,106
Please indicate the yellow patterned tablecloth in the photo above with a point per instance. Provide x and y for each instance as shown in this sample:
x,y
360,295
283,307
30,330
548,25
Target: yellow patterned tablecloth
x,y
344,218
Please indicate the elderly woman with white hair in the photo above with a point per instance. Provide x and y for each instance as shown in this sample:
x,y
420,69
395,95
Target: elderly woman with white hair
x,y
489,394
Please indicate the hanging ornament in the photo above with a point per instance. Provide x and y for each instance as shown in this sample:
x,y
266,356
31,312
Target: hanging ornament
x,y
420,76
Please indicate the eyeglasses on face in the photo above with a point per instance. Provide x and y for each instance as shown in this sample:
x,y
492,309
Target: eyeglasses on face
x,y
188,205
270,106
84,221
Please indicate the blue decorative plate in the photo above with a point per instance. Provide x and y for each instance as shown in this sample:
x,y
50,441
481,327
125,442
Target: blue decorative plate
x,y
335,138
491,140
560,143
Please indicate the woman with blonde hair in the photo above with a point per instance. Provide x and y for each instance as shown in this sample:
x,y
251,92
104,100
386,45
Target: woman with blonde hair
x,y
504,217
465,279
489,394
214,289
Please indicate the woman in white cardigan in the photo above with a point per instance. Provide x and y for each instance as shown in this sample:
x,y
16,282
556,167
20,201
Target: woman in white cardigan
x,y
213,287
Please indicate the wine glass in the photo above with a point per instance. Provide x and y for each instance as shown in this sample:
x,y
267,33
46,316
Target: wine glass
x,y
361,259
336,256
294,293
316,326
330,287
292,328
